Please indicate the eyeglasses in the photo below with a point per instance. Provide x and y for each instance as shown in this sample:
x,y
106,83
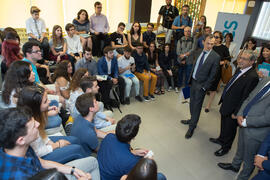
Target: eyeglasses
x,y
99,7
216,37
38,51
245,59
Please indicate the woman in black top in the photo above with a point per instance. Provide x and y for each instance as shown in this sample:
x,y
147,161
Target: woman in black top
x,y
225,57
165,60
152,57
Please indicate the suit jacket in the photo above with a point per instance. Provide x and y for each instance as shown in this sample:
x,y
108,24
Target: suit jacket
x,y
208,71
258,118
103,68
238,92
264,151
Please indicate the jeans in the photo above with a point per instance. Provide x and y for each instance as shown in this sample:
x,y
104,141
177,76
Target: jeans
x,y
129,82
187,68
53,121
88,165
67,153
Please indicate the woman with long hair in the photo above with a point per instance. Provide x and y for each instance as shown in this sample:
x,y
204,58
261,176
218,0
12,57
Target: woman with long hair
x,y
166,57
152,56
58,45
135,35
61,149
264,59
82,26
199,27
19,75
225,57
228,42
62,77
10,51
75,90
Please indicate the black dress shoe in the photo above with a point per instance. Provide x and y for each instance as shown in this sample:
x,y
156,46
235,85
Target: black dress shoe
x,y
206,110
228,166
221,152
189,133
186,122
215,140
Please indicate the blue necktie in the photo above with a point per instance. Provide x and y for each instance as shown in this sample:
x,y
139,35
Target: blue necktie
x,y
255,99
228,85
200,63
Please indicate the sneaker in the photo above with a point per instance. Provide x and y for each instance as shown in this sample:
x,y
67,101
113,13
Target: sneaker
x,y
139,98
146,98
176,90
127,101
169,89
152,97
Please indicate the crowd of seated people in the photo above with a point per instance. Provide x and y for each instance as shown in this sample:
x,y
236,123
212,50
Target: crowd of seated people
x,y
57,100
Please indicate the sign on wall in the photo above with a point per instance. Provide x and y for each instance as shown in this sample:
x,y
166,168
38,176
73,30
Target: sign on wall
x,y
233,23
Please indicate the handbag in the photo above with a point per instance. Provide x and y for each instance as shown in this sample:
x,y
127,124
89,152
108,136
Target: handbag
x,y
226,73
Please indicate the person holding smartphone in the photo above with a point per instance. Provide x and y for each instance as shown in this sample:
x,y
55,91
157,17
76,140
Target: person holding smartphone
x,y
126,65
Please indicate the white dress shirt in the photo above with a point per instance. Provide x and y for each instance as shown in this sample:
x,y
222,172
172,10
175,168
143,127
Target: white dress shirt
x,y
31,27
198,61
74,44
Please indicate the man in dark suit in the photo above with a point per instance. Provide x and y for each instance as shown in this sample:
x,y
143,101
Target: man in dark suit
x,y
235,92
202,75
254,121
108,65
262,160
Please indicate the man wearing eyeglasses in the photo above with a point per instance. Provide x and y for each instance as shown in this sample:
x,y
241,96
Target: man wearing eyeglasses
x,y
99,28
235,92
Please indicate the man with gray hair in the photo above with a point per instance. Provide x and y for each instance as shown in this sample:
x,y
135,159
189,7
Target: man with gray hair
x,y
185,47
235,92
253,120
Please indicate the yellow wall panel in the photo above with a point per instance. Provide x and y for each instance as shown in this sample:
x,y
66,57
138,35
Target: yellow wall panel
x,y
14,13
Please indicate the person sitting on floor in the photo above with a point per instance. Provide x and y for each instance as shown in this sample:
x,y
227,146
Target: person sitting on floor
x,y
126,66
103,120
145,169
116,148
61,149
18,129
62,77
83,127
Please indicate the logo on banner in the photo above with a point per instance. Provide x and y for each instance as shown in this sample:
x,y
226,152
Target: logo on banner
x,y
233,25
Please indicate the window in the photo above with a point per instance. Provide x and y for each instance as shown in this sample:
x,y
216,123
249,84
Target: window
x,y
262,28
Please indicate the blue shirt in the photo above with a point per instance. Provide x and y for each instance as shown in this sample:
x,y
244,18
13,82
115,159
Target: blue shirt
x,y
85,132
114,158
200,43
19,168
34,70
185,21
